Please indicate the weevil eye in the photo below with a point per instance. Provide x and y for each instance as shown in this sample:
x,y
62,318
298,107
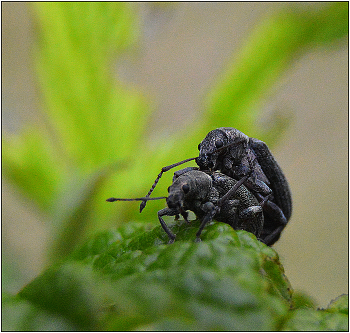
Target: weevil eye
x,y
218,143
168,189
199,147
185,188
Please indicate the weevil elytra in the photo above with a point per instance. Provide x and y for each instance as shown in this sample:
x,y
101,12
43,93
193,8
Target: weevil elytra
x,y
211,195
236,155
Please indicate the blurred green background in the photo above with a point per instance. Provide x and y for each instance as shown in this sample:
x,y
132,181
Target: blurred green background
x,y
136,88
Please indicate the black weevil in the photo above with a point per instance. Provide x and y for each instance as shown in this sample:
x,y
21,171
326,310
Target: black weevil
x,y
210,195
248,160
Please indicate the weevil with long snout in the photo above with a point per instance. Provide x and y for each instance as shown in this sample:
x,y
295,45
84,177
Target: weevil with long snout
x,y
210,196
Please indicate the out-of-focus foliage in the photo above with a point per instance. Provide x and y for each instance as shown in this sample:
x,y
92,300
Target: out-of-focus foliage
x,y
94,123
92,147
273,46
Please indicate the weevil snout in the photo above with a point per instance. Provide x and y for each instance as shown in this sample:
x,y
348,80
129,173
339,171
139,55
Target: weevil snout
x,y
205,162
175,200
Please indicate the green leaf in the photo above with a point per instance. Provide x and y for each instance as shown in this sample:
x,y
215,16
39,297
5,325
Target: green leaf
x,y
340,305
302,300
21,315
334,318
68,291
131,279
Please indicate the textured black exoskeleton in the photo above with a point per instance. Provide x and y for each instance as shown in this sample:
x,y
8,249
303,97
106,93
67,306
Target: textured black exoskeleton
x,y
210,195
239,156
249,160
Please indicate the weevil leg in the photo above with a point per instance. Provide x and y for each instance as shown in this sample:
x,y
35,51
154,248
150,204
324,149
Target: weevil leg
x,y
167,212
274,221
250,212
211,210
164,169
258,186
232,190
185,216
265,199
272,208
252,219
273,237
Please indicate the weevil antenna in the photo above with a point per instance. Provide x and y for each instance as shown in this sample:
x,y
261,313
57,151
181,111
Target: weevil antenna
x,y
134,199
164,169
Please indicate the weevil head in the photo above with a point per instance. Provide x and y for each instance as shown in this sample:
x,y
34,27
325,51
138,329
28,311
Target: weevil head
x,y
218,143
190,187
209,149
176,197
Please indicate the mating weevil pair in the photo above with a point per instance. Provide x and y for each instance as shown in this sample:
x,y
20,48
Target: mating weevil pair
x,y
250,192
